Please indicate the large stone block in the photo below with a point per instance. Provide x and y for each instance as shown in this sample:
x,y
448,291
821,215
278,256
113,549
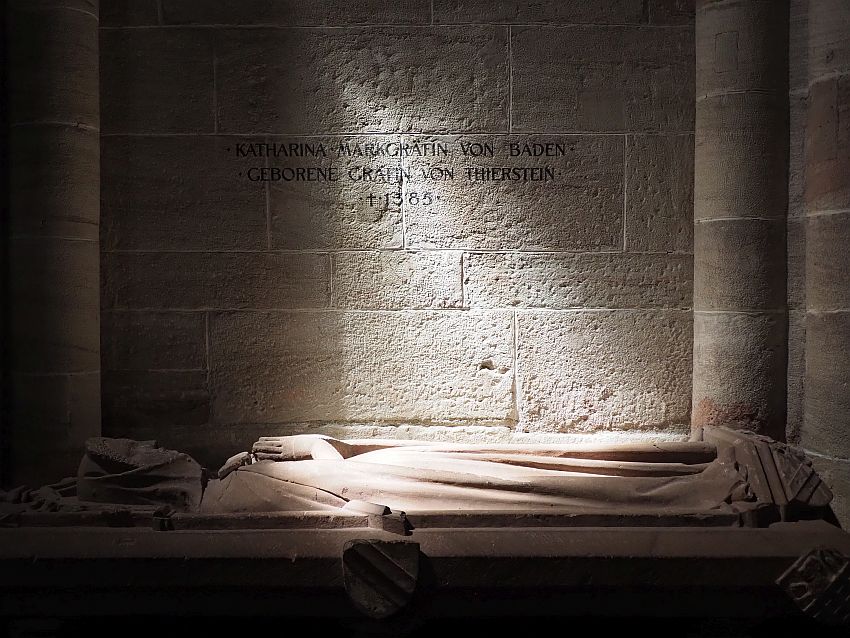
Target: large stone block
x,y
604,370
798,47
829,37
53,417
565,79
828,262
296,12
53,181
312,81
157,81
660,193
827,407
408,366
397,280
55,305
563,280
739,264
128,13
670,12
153,341
738,358
828,145
742,46
741,156
579,206
542,11
355,210
153,401
197,281
52,64
178,193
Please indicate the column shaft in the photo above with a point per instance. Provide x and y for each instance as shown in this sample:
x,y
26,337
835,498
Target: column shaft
x,y
54,200
740,207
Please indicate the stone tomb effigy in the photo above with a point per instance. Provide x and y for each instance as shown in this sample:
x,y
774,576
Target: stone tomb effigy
x,y
399,525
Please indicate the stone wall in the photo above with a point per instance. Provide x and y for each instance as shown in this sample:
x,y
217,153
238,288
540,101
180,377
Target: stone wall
x,y
500,311
826,408
798,86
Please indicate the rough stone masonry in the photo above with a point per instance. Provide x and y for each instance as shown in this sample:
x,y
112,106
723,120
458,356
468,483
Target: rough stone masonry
x,y
447,219
544,291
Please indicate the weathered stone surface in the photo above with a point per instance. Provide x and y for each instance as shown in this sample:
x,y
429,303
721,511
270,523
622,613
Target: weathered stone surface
x,y
795,242
545,11
742,46
53,181
420,366
737,263
798,47
54,415
563,280
90,7
827,400
151,402
296,13
153,341
157,81
128,13
660,193
293,81
195,281
828,145
671,12
52,65
796,374
829,37
357,210
836,474
178,193
828,262
741,155
798,114
55,295
640,80
606,370
580,208
397,280
728,392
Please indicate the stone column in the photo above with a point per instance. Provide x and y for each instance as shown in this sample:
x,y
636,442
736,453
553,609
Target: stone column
x,y
53,246
826,414
740,206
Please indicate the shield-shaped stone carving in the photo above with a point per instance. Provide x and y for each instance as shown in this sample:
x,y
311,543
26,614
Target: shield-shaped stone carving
x,y
380,576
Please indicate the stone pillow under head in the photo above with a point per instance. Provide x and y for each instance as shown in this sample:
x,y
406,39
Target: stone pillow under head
x,y
138,473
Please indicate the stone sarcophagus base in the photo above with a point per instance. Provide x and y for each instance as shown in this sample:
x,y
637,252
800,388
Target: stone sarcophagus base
x,y
332,528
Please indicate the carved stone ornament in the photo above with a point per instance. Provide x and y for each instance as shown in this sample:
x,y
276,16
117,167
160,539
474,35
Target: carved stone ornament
x,y
819,582
380,577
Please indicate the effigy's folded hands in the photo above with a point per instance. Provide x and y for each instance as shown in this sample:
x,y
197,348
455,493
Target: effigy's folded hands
x,y
301,447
